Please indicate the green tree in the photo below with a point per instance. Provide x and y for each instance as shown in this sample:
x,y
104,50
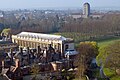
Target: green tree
x,y
6,31
113,56
87,51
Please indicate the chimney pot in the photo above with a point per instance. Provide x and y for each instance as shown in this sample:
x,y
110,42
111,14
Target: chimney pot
x,y
17,63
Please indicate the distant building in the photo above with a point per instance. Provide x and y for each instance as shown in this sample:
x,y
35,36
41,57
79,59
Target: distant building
x,y
33,40
86,10
87,13
76,16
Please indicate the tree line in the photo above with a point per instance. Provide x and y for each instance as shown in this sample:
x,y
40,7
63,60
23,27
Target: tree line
x,y
109,24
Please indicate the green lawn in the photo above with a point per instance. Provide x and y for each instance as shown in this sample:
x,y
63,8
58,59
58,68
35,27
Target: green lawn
x,y
111,74
108,72
102,43
76,36
116,77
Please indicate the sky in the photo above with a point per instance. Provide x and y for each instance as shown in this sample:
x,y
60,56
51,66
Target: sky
x,y
24,4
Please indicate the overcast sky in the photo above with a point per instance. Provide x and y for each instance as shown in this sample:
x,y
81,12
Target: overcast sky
x,y
21,4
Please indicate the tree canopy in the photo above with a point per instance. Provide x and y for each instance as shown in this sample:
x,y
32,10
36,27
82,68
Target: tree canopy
x,y
87,51
113,56
6,31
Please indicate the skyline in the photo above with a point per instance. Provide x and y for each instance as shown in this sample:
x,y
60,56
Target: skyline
x,y
36,4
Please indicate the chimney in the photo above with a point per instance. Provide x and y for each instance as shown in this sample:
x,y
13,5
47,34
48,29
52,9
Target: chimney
x,y
21,54
59,46
55,66
50,48
45,51
17,63
28,50
11,53
28,54
38,49
3,63
21,50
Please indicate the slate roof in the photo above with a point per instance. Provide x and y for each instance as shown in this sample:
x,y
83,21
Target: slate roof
x,y
5,42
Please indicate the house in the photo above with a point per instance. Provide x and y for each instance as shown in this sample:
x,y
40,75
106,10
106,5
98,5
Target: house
x,y
12,72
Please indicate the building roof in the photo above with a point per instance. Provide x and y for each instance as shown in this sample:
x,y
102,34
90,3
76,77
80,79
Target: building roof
x,y
42,36
5,42
71,52
86,3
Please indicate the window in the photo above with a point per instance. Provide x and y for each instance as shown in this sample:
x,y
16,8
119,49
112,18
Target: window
x,y
66,47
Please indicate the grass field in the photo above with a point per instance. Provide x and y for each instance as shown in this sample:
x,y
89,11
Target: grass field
x,y
106,42
111,74
77,36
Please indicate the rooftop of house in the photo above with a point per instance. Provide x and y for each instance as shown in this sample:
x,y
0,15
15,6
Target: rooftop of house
x,y
5,42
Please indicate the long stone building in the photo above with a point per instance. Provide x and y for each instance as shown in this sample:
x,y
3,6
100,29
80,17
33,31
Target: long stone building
x,y
33,40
